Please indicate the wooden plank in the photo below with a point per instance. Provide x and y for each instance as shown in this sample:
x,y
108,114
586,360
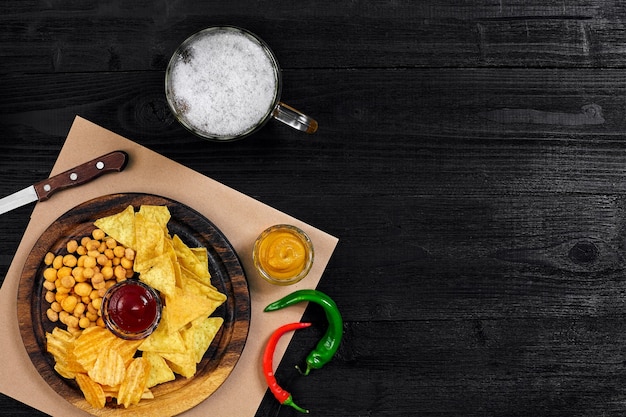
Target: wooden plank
x,y
385,34
455,152
478,367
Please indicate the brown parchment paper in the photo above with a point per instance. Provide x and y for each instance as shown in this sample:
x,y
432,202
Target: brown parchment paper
x,y
238,216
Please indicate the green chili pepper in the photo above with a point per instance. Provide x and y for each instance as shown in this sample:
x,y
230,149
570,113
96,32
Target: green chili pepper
x,y
329,343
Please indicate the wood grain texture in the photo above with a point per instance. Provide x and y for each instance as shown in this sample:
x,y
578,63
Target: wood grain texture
x,y
226,275
78,36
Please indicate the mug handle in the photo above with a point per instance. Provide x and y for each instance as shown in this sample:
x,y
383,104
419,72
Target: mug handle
x,y
292,117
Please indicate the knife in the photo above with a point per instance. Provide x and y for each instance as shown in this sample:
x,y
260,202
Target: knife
x,y
112,162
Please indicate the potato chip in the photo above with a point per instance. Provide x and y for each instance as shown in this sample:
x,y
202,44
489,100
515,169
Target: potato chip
x,y
183,308
60,344
92,391
159,371
69,366
63,334
109,391
57,345
112,392
120,226
109,368
135,382
89,344
199,336
126,348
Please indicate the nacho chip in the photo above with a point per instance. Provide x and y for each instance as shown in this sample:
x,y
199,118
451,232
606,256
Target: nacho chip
x,y
202,255
159,371
191,286
161,340
158,272
182,308
199,336
169,251
190,261
134,383
91,390
182,363
120,226
149,242
156,214
109,368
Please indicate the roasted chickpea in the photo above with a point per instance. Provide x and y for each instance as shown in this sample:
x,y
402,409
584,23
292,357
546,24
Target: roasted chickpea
x,y
53,316
70,260
72,246
98,234
50,274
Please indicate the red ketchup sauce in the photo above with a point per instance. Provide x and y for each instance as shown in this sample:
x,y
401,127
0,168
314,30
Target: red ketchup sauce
x,y
131,309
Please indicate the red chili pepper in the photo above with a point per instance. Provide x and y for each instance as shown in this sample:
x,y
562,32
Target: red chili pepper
x,y
268,368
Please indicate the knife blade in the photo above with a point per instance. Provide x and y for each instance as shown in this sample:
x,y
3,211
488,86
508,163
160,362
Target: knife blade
x,y
112,162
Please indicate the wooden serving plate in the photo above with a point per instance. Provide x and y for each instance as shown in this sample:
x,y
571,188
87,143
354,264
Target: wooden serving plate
x,y
173,397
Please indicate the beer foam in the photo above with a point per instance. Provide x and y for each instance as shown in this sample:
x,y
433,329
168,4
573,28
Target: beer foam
x,y
224,83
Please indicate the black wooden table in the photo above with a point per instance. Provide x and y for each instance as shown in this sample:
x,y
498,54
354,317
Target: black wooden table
x,y
470,157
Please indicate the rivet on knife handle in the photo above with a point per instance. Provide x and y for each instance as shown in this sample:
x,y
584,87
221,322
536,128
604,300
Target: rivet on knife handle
x,y
112,162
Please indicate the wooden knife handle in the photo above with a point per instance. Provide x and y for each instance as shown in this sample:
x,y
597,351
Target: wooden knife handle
x,y
112,162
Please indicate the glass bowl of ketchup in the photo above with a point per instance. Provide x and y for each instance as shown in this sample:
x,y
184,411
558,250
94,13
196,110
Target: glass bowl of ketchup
x,y
131,309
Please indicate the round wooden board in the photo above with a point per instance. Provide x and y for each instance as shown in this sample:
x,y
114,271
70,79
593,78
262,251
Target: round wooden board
x,y
227,274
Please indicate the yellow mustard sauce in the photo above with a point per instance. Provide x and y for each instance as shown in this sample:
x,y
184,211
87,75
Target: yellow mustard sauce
x,y
283,254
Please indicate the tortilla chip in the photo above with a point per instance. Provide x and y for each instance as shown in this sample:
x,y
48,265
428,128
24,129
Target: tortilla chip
x,y
120,226
157,214
159,371
190,261
159,273
202,255
169,251
149,242
182,308
161,340
182,363
199,336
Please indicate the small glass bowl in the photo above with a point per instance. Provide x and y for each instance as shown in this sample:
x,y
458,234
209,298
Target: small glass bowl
x,y
277,248
131,309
